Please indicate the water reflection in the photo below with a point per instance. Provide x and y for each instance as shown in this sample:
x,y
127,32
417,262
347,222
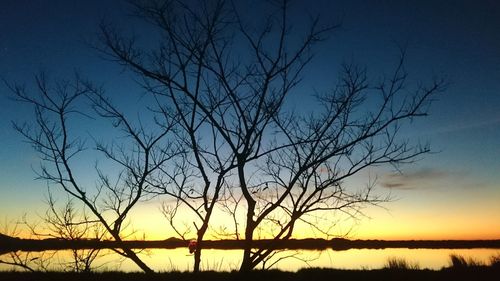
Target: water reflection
x,y
227,260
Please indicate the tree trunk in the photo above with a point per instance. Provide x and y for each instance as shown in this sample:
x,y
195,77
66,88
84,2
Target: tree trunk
x,y
199,244
197,259
246,264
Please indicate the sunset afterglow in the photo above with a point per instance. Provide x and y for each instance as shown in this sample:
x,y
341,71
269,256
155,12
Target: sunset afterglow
x,y
187,121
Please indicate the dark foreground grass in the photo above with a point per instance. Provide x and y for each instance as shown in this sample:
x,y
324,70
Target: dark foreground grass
x,y
468,273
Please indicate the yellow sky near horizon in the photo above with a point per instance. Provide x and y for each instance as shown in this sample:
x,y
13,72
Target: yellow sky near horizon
x,y
415,214
397,222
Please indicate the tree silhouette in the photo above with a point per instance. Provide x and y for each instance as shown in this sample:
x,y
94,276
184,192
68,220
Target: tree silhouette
x,y
228,84
55,139
71,224
227,133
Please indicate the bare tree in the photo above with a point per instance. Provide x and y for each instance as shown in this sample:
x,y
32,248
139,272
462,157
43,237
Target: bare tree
x,y
59,145
69,223
225,104
66,223
184,92
303,180
289,167
221,87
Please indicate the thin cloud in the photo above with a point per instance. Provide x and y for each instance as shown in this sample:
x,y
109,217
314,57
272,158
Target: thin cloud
x,y
412,180
394,185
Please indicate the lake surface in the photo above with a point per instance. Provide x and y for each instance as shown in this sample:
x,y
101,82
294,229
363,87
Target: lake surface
x,y
226,260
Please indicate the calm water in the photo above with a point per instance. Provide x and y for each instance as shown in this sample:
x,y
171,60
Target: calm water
x,y
225,260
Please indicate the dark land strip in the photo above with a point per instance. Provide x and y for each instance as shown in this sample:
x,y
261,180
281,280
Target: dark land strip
x,y
8,244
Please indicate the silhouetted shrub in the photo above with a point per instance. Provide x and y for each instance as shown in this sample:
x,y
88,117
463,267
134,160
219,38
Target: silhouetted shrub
x,y
400,263
458,261
495,261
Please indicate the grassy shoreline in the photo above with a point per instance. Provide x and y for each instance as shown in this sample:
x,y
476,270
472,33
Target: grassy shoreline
x,y
312,274
460,268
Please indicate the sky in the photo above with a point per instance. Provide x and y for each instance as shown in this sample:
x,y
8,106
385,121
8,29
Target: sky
x,y
452,193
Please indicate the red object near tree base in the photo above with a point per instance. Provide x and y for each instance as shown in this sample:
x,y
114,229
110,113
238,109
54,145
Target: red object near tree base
x,y
192,246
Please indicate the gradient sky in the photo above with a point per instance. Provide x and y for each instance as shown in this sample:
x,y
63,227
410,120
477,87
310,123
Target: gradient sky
x,y
453,193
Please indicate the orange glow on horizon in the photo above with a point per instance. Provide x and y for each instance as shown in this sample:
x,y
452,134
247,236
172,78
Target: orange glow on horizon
x,y
403,223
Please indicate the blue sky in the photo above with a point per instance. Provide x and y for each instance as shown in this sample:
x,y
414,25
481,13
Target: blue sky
x,y
457,40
